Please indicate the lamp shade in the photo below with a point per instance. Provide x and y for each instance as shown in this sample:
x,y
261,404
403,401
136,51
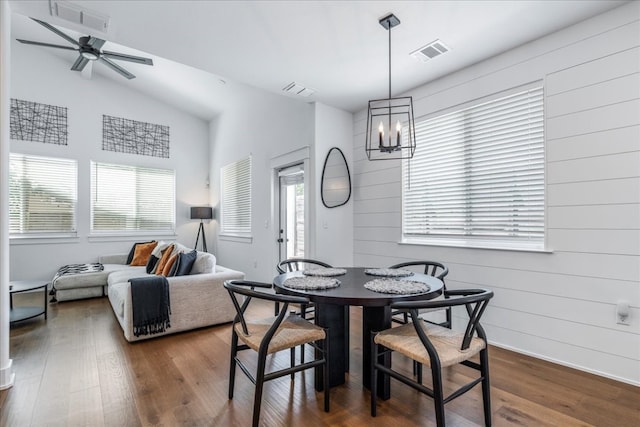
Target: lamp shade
x,y
201,212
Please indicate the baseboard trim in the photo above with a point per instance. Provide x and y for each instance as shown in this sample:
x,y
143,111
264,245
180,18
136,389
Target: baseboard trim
x,y
7,376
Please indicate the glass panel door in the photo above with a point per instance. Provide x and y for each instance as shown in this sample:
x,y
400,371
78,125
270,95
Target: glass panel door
x,y
292,214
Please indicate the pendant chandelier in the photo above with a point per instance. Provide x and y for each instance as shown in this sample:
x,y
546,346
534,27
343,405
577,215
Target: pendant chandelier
x,y
391,130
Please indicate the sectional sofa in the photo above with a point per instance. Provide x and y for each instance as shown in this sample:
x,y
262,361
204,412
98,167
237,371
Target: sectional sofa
x,y
198,299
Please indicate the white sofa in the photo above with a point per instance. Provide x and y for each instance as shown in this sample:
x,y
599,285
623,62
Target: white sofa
x,y
197,300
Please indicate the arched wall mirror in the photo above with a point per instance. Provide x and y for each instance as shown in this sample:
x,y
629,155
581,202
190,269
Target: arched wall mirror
x,y
335,185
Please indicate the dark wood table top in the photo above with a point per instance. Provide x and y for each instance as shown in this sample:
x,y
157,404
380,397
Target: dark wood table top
x,y
352,291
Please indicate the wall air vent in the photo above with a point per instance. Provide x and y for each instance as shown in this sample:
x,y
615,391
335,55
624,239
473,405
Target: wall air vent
x,y
298,90
430,51
78,15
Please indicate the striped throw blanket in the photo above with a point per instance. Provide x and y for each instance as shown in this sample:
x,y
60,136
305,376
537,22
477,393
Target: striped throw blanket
x,y
77,269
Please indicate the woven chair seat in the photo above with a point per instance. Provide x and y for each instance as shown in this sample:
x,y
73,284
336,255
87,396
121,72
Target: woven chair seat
x,y
293,331
404,339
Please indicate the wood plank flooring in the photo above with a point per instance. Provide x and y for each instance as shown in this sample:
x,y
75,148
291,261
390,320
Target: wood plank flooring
x,y
76,369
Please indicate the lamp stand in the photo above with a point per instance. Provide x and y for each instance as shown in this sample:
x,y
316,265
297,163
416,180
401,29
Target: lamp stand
x,y
204,239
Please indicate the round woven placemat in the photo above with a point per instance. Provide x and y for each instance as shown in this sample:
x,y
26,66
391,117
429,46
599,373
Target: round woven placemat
x,y
393,286
388,272
324,272
311,283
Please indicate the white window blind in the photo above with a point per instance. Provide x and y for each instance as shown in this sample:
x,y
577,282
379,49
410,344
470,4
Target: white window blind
x,y
478,174
131,198
236,198
42,195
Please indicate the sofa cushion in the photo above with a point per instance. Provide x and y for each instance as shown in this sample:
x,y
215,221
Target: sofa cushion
x,y
151,263
133,250
142,253
204,263
166,254
169,265
184,264
118,276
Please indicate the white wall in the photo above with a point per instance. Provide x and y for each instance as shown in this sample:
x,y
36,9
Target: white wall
x,y
265,126
558,306
334,227
41,77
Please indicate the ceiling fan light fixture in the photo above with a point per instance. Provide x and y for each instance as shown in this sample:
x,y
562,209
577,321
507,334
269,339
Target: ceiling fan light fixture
x,y
90,54
391,130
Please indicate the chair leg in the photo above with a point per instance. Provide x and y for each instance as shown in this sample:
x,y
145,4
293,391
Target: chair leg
x,y
374,375
277,308
486,386
232,367
438,394
257,399
293,360
327,389
418,367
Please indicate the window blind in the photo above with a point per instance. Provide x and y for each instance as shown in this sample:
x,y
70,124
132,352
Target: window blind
x,y
131,198
236,198
478,173
42,194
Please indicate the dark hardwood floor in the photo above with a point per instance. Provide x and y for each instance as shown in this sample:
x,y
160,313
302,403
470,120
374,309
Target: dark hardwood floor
x,y
76,369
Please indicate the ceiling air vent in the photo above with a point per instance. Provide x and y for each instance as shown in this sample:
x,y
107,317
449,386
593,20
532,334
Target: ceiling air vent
x,y
297,89
79,15
430,51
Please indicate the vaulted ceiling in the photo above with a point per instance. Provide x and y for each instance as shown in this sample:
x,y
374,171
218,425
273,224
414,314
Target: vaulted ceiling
x,y
201,49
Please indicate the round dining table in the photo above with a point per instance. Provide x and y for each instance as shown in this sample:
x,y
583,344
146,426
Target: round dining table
x,y
330,313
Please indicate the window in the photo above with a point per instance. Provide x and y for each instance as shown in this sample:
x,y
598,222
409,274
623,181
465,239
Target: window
x,y
236,198
477,177
132,199
42,195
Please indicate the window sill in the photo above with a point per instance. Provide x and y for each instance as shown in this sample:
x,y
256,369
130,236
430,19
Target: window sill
x,y
235,238
133,236
476,244
43,239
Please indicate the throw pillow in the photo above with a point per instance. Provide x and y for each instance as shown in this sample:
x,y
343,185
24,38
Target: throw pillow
x,y
151,263
133,250
142,253
184,263
167,267
166,254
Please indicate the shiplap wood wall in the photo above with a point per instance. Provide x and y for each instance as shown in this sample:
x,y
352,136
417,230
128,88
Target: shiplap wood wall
x,y
558,305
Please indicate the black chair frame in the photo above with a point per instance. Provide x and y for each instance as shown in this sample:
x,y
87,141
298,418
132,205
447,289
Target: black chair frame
x,y
247,289
431,268
475,302
297,264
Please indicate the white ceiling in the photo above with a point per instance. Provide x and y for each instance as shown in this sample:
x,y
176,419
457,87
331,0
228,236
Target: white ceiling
x,y
337,48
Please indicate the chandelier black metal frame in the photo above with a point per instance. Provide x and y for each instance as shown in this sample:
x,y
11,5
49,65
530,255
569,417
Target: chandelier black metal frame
x,y
391,130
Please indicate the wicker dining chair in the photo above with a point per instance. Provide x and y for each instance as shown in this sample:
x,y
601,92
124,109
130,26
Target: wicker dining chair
x,y
299,264
432,268
437,347
308,311
269,336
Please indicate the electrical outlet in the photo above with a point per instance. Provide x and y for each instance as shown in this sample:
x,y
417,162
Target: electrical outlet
x,y
622,313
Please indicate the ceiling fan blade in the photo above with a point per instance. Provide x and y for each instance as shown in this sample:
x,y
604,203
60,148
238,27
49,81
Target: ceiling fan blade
x,y
130,58
57,31
96,43
80,63
46,44
117,68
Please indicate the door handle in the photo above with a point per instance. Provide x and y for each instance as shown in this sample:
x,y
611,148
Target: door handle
x,y
280,240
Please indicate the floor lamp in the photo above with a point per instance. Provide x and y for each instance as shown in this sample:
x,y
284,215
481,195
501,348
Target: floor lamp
x,y
201,213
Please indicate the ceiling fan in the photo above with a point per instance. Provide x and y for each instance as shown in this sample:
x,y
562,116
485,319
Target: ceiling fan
x,y
90,50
